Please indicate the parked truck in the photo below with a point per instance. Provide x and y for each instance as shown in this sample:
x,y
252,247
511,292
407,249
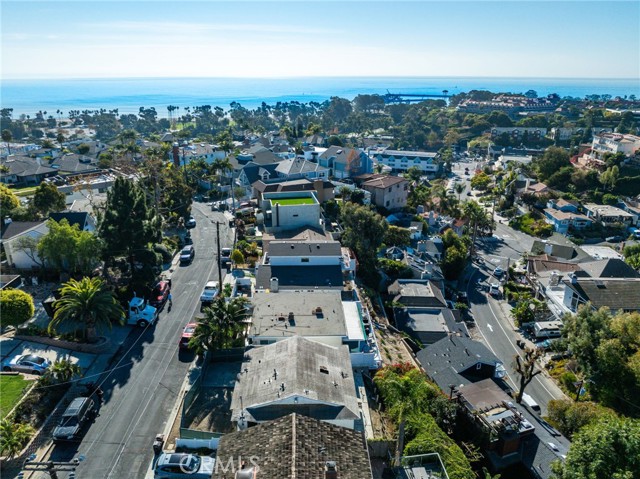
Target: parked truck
x,y
140,313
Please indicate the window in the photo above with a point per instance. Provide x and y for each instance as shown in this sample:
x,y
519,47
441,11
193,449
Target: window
x,y
387,203
479,366
390,189
304,260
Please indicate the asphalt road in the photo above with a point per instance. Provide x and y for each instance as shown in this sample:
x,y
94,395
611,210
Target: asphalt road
x,y
492,321
141,390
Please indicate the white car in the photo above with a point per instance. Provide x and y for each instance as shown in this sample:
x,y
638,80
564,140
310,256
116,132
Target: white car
x,y
210,292
184,466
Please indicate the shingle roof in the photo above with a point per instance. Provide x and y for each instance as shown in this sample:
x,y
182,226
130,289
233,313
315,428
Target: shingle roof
x,y
26,166
253,170
416,292
296,166
609,268
614,293
446,360
16,228
273,376
296,447
383,181
340,153
73,217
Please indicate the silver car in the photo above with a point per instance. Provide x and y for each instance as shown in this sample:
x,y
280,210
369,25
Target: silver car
x,y
29,363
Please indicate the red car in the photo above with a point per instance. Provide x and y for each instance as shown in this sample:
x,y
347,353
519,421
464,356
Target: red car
x,y
186,335
159,294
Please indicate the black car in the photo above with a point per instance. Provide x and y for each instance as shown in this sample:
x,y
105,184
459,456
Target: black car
x,y
187,254
614,239
80,412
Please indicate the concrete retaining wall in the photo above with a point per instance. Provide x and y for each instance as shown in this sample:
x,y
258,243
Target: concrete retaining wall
x,y
97,348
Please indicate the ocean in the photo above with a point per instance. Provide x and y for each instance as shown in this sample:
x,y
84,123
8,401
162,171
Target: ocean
x,y
128,95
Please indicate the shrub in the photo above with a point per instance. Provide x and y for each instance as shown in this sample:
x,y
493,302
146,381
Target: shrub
x,y
17,307
164,252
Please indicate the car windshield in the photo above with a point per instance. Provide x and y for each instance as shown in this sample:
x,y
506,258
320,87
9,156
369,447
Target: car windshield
x,y
34,359
211,288
69,421
189,329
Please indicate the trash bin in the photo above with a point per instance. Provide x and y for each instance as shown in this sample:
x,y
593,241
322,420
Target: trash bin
x,y
158,443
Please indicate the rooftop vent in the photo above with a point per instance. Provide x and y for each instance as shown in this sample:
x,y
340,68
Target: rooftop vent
x,y
330,470
324,370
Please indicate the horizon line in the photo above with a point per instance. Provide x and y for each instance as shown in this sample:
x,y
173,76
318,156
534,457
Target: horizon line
x,y
302,77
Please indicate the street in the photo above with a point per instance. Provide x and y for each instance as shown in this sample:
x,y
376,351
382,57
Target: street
x,y
143,383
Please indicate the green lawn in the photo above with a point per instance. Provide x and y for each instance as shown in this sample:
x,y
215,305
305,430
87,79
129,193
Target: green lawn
x,y
10,392
294,201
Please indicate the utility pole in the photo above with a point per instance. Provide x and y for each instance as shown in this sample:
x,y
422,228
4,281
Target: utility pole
x,y
219,265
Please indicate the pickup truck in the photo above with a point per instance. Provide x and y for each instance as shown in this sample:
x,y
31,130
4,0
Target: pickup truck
x,y
140,313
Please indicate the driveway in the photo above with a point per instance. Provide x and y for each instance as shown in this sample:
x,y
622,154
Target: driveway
x,y
10,348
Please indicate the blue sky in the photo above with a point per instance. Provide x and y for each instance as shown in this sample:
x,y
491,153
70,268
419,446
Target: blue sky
x,y
102,39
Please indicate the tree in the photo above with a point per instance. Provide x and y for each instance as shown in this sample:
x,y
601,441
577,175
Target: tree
x,y
8,200
459,188
47,198
396,236
67,248
570,417
476,214
16,306
480,181
13,437
128,226
64,370
220,326
609,447
83,148
526,368
86,305
413,174
7,136
526,309
237,257
554,159
609,177
29,246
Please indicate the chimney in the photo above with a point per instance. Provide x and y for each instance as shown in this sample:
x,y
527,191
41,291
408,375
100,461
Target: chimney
x,y
314,156
573,278
330,470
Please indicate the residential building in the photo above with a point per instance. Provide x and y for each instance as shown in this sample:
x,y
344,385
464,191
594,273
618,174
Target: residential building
x,y
610,215
389,192
330,317
293,446
614,143
252,172
297,264
12,231
290,210
84,220
400,161
416,293
303,234
25,171
296,375
296,168
553,249
324,190
617,294
344,162
519,133
562,221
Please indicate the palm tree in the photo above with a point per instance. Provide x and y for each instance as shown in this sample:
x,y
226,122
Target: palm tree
x,y
477,216
459,188
13,437
64,370
88,305
220,326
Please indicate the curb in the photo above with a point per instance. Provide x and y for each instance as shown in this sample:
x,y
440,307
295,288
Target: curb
x,y
186,386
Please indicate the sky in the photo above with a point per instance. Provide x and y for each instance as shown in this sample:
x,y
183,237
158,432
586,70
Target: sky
x,y
263,39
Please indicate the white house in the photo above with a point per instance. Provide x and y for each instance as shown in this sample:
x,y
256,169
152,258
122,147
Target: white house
x,y
399,161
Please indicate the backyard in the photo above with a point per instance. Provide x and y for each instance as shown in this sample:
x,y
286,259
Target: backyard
x,y
294,201
11,390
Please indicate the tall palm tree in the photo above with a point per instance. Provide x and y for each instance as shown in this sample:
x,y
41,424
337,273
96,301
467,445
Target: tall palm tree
x,y
220,326
459,188
477,216
7,136
88,305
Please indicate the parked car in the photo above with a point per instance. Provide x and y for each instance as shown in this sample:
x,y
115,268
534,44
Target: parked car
x,y
225,256
28,363
187,254
187,333
79,412
191,222
159,294
209,292
498,272
614,239
182,465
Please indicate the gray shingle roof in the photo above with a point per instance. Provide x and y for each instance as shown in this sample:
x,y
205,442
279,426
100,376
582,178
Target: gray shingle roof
x,y
416,292
445,361
26,166
297,447
614,293
73,217
16,228
319,375
296,166
609,268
